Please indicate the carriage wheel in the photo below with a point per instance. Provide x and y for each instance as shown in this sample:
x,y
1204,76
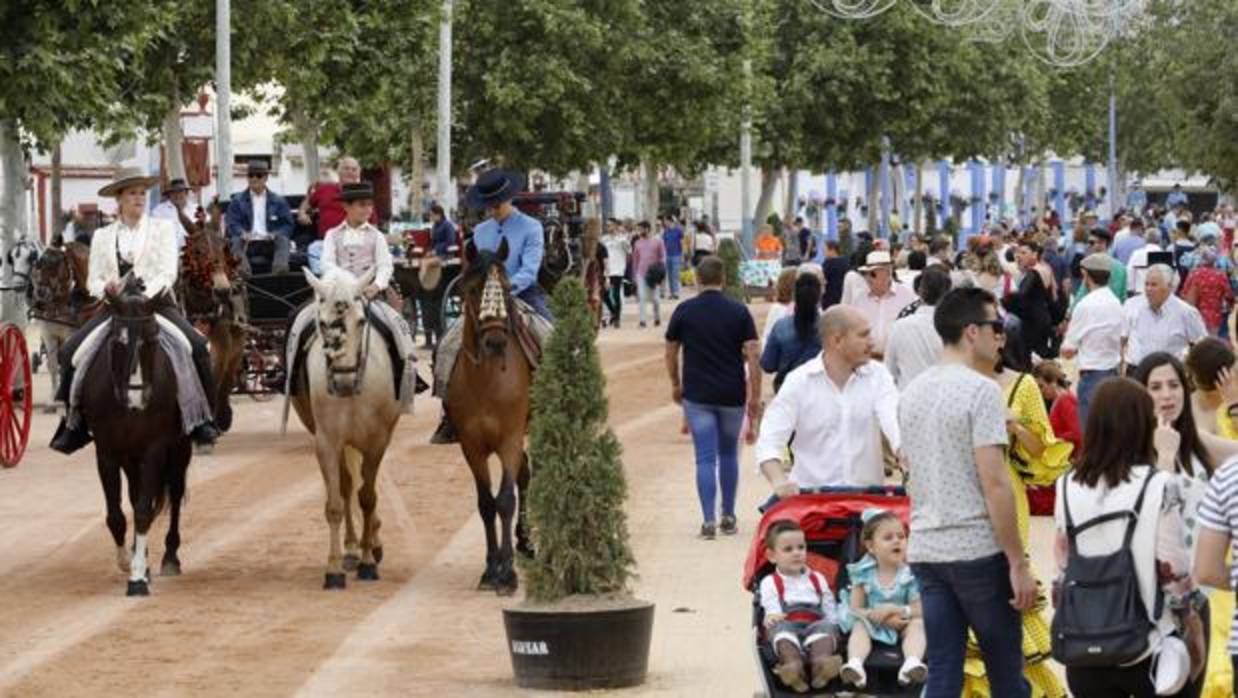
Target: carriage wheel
x,y
253,375
16,395
452,304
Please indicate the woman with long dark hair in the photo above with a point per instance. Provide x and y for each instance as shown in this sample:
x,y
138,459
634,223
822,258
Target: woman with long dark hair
x,y
794,339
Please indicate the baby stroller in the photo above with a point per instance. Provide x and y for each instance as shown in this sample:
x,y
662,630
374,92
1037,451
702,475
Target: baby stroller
x,y
832,526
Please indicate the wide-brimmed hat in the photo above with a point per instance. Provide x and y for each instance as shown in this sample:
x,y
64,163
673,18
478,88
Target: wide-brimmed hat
x,y
877,258
494,187
127,177
356,191
176,184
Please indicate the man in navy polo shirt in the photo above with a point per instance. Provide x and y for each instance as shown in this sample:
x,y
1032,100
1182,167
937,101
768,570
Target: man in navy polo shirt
x,y
717,337
672,237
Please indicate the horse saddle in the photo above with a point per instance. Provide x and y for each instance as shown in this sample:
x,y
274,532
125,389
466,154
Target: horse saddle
x,y
527,340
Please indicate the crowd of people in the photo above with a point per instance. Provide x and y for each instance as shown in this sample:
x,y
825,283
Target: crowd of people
x,y
952,370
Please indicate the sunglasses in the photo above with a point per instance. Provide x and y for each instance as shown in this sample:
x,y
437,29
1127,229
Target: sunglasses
x,y
257,176
997,326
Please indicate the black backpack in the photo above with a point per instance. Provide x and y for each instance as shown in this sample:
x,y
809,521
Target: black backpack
x,y
1101,619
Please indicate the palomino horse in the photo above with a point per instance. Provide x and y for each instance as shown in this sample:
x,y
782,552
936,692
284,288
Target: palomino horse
x,y
129,400
60,303
210,298
488,402
350,407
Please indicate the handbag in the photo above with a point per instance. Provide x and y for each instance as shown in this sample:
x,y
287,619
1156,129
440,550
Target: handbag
x,y
655,274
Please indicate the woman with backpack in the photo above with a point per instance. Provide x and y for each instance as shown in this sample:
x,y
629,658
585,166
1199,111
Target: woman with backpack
x,y
1121,556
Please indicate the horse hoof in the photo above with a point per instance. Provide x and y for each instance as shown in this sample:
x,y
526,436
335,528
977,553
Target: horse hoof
x,y
351,560
170,568
367,572
487,583
335,581
525,549
138,588
378,555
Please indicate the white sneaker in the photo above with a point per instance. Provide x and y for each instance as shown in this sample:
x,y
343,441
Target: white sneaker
x,y
853,673
913,671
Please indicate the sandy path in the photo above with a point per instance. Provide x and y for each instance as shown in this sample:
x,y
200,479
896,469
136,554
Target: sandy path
x,y
249,618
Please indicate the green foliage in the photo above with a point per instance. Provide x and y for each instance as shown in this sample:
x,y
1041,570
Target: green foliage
x,y
575,506
729,252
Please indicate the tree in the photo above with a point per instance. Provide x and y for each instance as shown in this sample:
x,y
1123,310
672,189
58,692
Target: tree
x,y
733,280
575,507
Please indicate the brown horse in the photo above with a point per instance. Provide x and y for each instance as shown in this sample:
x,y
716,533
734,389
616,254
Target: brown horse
x,y
129,401
209,292
488,402
60,303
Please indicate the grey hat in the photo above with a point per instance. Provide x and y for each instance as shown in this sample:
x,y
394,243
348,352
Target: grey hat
x,y
127,177
1098,261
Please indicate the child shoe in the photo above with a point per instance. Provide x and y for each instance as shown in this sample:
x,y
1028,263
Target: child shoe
x,y
824,669
853,673
913,671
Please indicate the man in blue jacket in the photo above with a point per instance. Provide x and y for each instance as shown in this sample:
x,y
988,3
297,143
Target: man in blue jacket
x,y
493,193
258,212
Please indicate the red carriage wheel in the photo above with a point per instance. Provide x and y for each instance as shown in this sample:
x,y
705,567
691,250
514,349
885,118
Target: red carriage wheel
x,y
16,395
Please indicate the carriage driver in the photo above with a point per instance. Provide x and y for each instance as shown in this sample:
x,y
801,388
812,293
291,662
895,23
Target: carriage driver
x,y
145,246
493,192
356,246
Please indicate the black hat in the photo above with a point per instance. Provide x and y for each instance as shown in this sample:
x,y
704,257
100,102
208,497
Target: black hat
x,y
175,185
356,191
494,187
258,167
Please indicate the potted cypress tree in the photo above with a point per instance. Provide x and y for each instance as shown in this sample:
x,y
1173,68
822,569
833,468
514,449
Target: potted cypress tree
x,y
730,254
579,626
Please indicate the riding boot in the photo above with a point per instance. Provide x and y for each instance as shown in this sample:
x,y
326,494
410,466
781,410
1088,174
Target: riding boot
x,y
205,434
445,433
790,668
69,439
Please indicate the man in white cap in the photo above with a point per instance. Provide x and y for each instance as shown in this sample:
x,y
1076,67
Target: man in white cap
x,y
144,246
1094,337
884,300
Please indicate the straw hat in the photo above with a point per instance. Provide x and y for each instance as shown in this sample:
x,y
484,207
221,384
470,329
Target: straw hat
x,y
127,177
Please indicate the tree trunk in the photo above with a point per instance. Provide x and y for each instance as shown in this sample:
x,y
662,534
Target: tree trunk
x,y
173,144
765,201
788,211
418,173
649,181
1041,180
308,131
918,226
873,198
58,217
13,223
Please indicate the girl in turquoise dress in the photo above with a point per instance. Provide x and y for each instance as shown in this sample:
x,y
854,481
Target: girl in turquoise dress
x,y
883,602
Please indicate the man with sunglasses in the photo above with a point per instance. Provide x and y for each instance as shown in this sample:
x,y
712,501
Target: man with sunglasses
x,y
259,213
1099,241
1094,336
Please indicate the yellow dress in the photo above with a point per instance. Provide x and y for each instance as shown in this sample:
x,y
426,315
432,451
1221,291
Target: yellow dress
x,y
1028,404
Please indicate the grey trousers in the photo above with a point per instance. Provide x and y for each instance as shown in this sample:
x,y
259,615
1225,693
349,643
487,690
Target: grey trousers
x,y
279,262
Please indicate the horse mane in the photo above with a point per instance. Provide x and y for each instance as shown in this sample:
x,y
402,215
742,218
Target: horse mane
x,y
341,284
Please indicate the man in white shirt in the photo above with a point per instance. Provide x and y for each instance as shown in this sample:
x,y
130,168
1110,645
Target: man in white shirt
x,y
914,344
838,406
173,209
618,248
884,299
1094,336
1159,320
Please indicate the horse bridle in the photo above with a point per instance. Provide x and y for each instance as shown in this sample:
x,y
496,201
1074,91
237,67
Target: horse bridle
x,y
503,318
62,290
362,358
128,322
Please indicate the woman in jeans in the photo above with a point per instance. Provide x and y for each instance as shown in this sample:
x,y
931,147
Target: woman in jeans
x,y
717,337
794,339
1119,455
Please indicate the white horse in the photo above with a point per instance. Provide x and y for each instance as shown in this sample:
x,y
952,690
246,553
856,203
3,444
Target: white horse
x,y
347,401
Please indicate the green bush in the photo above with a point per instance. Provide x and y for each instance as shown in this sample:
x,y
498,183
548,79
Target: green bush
x,y
730,253
575,508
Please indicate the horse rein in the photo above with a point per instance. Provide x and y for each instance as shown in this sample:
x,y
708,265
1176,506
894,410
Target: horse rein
x,y
363,355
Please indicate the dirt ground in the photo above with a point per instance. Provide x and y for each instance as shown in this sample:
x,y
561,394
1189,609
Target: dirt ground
x,y
249,618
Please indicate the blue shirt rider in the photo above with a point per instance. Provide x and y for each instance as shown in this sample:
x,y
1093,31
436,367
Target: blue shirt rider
x,y
525,239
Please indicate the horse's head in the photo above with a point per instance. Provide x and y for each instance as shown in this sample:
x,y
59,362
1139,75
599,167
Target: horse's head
x,y
132,339
342,327
486,292
52,280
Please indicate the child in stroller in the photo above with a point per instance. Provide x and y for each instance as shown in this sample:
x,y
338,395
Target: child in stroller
x,y
832,525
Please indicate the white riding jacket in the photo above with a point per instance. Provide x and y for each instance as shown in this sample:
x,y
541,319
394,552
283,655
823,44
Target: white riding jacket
x,y
150,248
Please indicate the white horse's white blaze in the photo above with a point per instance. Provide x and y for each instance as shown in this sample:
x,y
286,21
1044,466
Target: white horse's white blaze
x,y
137,567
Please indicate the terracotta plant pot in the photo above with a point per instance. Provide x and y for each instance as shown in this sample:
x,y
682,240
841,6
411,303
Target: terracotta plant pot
x,y
575,650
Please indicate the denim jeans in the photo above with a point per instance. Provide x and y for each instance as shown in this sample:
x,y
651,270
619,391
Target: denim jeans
x,y
614,299
715,438
646,294
1088,380
673,267
975,593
